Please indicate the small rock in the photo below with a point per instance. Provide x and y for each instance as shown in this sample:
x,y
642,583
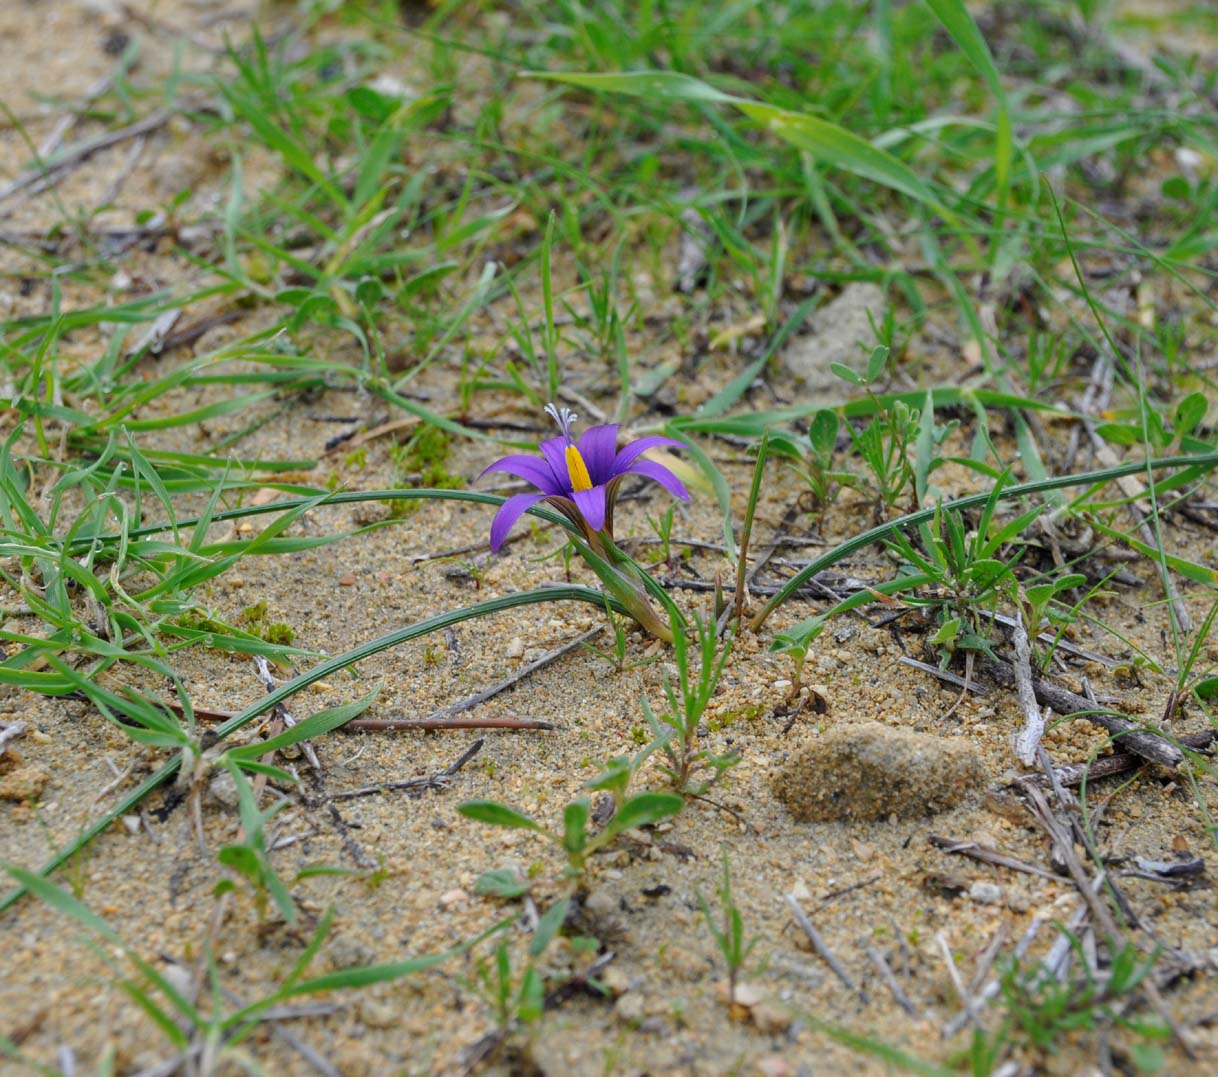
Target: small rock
x,y
985,893
24,783
514,648
347,953
222,789
630,1008
453,897
800,891
378,1014
774,1066
616,981
769,1019
865,772
840,332
132,823
748,995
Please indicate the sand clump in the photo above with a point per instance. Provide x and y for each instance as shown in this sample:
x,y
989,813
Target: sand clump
x,y
866,771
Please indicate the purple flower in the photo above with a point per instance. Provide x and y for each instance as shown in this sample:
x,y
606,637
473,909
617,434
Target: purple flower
x,y
580,479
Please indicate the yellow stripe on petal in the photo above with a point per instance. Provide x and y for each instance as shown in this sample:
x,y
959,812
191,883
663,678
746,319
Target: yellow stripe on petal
x,y
577,470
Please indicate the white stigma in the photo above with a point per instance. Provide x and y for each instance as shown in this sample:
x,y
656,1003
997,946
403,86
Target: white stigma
x,y
564,417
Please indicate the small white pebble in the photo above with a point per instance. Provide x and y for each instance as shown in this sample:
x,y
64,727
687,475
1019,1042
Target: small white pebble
x,y
985,893
132,823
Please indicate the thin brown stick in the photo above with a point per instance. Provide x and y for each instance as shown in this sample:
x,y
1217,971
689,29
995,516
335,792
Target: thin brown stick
x,y
1102,915
897,992
432,781
82,151
986,855
1117,763
1149,745
822,949
441,719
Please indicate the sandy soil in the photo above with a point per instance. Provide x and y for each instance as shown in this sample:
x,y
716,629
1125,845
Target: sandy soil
x,y
867,886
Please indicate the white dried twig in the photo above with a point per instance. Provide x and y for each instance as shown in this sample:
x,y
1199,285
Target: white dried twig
x,y
1028,739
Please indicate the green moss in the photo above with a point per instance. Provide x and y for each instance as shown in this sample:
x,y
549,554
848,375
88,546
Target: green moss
x,y
427,454
743,714
254,618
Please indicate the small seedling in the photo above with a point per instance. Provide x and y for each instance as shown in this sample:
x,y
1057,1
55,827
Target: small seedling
x,y
729,932
815,464
574,840
676,729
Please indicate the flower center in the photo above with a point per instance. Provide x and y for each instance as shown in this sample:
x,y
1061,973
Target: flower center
x,y
577,470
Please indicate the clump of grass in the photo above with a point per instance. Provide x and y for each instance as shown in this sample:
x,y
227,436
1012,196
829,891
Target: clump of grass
x,y
677,728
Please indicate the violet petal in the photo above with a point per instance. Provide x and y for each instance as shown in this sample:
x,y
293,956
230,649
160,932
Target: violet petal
x,y
554,450
662,475
509,512
530,468
597,446
631,452
591,504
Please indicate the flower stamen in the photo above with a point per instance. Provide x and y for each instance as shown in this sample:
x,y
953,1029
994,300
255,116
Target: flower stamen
x,y
577,470
565,418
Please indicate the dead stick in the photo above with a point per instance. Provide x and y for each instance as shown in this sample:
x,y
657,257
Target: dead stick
x,y
988,856
818,943
1117,763
1028,739
1149,745
993,986
439,719
432,781
953,973
898,993
82,151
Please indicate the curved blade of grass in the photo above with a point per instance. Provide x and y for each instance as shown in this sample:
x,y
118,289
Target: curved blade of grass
x,y
876,534
314,726
828,142
570,593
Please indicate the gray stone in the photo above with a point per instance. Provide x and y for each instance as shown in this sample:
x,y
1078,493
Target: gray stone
x,y
839,332
865,771
985,893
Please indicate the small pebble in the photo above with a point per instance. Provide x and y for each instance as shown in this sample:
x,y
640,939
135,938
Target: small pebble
x,y
24,783
769,1019
985,893
629,1009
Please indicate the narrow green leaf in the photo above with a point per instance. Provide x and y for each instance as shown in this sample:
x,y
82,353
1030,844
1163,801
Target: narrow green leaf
x,y
548,926
575,825
645,809
314,726
826,141
496,814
